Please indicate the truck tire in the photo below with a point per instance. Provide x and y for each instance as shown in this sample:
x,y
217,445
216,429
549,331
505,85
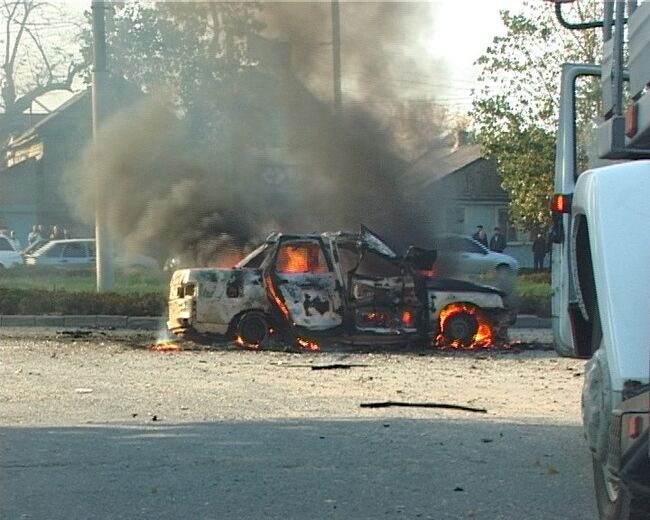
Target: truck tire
x,y
615,501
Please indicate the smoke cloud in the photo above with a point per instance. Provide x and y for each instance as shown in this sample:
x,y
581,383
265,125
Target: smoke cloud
x,y
165,191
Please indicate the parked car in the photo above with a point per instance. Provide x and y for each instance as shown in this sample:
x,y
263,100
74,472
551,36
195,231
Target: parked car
x,y
9,256
330,284
461,256
73,253
78,253
35,246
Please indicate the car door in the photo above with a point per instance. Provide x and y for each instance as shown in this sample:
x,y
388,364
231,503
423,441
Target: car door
x,y
380,291
472,256
303,280
75,254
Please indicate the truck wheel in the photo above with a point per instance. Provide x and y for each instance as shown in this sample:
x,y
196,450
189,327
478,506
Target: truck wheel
x,y
252,328
615,501
461,327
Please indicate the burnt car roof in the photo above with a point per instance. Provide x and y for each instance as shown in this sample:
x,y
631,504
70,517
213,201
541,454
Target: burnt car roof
x,y
365,235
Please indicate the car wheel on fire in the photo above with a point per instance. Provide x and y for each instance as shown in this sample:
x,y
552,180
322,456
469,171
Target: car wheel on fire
x,y
252,328
460,327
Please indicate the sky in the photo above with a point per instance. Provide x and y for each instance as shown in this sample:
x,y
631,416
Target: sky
x,y
461,32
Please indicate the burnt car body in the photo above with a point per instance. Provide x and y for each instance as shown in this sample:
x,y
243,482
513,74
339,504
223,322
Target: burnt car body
x,y
322,285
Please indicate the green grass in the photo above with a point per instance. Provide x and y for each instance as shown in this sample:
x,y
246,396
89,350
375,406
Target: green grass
x,y
76,281
534,294
33,290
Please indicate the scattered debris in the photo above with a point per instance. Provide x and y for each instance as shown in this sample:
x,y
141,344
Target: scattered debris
x,y
336,366
386,404
77,333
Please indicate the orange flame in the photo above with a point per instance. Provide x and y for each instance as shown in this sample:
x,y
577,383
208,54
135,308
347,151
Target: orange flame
x,y
483,338
250,346
308,345
300,258
274,296
165,347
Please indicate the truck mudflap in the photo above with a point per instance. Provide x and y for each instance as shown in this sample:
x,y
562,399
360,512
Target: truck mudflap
x,y
635,469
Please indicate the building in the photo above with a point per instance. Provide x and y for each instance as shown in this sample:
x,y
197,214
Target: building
x,y
33,166
465,188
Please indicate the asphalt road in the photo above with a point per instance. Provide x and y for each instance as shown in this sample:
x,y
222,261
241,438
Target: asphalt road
x,y
385,464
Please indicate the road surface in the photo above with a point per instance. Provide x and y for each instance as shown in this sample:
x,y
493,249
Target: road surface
x,y
98,426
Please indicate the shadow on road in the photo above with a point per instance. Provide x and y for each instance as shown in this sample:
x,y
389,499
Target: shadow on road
x,y
308,469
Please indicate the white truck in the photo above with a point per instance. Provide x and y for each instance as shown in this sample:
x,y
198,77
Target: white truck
x,y
601,259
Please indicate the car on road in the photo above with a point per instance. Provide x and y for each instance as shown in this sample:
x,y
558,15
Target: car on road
x,y
9,255
331,284
459,255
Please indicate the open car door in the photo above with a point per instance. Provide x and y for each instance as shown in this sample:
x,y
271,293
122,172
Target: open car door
x,y
304,284
380,289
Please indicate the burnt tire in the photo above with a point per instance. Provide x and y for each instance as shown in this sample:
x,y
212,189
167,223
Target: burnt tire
x,y
253,328
461,327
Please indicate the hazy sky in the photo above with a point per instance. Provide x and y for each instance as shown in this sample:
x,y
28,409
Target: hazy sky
x,y
462,30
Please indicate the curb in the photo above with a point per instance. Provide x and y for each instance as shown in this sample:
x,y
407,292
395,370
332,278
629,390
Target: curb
x,y
524,321
91,322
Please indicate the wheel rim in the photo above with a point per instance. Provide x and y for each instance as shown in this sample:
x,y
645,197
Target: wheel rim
x,y
611,485
253,329
461,327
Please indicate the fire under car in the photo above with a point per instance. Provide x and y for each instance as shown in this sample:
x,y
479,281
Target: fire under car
x,y
346,286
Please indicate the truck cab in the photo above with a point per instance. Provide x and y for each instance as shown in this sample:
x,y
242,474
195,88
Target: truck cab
x,y
601,259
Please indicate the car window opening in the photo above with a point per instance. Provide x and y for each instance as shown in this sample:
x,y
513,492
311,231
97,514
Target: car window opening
x,y
301,257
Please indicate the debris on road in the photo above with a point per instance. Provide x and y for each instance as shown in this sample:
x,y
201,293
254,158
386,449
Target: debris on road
x,y
387,404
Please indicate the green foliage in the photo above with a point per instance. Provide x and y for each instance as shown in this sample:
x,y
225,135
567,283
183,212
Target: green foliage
x,y
516,106
40,301
534,294
127,281
34,290
195,52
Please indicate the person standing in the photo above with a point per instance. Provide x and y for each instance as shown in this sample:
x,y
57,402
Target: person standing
x,y
539,252
498,241
480,235
34,235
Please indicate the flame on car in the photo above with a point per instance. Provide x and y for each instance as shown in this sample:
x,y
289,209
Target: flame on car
x,y
307,344
483,337
239,341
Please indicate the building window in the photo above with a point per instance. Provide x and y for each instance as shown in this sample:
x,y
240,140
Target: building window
x,y
503,221
455,220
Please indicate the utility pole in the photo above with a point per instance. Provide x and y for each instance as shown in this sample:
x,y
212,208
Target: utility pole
x,y
103,241
336,56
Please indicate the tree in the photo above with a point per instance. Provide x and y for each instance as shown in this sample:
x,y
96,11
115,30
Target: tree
x,y
516,106
36,56
195,51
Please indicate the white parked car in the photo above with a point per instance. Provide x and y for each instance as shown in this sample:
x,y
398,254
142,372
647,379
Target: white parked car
x,y
9,256
79,253
74,253
462,256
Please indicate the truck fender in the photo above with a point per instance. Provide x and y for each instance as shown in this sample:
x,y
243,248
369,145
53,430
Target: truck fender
x,y
597,404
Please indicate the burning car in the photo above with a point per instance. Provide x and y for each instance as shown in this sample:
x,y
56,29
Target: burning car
x,y
334,284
